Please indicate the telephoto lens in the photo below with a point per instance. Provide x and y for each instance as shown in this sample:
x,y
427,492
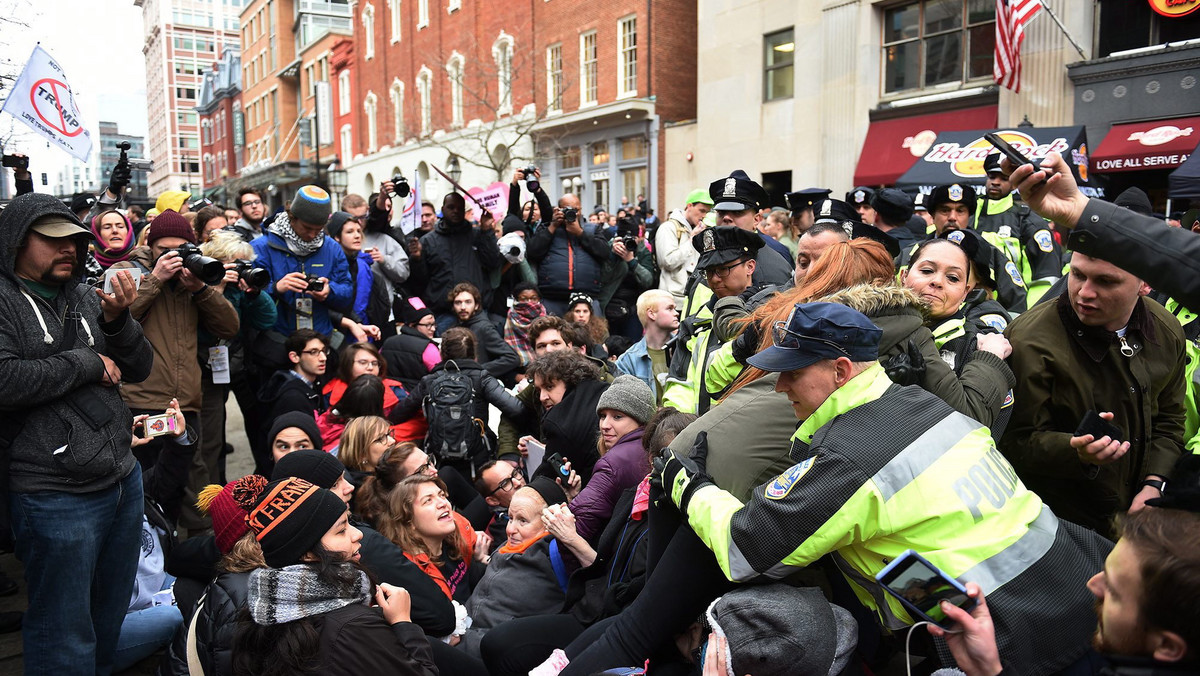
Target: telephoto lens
x,y
209,270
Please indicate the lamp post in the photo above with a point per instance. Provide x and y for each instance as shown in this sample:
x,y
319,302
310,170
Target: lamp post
x,y
455,169
339,179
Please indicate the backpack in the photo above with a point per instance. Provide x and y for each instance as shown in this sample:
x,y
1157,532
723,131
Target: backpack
x,y
449,406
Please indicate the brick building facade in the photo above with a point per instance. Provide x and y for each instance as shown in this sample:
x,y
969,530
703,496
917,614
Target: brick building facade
x,y
219,106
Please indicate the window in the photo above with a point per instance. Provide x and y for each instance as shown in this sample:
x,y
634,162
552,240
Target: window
x,y
572,158
554,77
343,92
627,57
422,13
502,51
453,5
368,19
1131,25
454,68
937,42
347,149
601,190
309,74
398,111
370,107
587,68
424,82
634,148
779,50
633,181
599,153
394,14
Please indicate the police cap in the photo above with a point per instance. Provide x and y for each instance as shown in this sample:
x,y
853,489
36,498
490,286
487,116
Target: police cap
x,y
725,243
991,164
949,194
860,195
860,230
833,211
978,250
737,192
804,199
894,206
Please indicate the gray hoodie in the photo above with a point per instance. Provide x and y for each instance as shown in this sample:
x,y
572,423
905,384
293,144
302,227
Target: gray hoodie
x,y
43,382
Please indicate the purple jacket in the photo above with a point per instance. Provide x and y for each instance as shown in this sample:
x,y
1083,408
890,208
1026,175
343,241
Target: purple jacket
x,y
622,467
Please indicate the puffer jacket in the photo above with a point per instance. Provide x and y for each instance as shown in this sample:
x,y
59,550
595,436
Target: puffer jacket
x,y
53,448
567,263
623,466
453,253
407,353
981,389
171,316
216,623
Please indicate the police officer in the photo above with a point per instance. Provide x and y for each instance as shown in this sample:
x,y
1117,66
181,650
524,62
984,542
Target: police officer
x,y
1022,235
860,198
728,263
738,201
952,206
881,469
841,213
893,209
801,203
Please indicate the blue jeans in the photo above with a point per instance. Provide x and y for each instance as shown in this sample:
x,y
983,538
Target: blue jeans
x,y
80,553
145,631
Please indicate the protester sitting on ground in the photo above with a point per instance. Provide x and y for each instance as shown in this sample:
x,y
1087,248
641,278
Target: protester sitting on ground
x,y
293,431
310,608
611,574
459,441
421,521
401,461
364,397
496,484
296,388
224,597
495,355
364,439
411,353
579,311
114,240
359,359
523,562
526,308
569,388
624,408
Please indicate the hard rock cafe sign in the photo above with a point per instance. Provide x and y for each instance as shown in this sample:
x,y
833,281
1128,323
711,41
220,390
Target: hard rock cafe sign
x,y
1175,8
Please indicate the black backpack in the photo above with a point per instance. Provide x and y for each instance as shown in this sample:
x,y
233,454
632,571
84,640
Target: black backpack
x,y
454,431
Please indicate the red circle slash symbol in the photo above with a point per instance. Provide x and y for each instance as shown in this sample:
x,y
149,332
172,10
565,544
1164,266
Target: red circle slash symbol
x,y
48,96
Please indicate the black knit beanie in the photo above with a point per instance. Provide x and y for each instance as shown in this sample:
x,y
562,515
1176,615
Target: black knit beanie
x,y
290,518
304,421
316,467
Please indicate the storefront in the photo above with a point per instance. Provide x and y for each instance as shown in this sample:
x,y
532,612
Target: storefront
x,y
1145,153
894,144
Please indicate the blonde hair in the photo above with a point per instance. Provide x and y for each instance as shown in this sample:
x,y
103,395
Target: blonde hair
x,y
227,246
649,299
355,448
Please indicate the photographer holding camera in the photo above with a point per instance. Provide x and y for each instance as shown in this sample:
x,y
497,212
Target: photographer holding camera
x,y
640,275
22,177
570,256
175,299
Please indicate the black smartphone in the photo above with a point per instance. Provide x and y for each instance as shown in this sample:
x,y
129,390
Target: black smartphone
x,y
1098,427
15,162
1015,156
557,464
921,587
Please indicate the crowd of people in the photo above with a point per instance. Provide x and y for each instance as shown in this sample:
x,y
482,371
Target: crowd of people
x,y
572,442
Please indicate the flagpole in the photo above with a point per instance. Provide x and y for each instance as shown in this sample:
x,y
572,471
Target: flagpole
x,y
1061,27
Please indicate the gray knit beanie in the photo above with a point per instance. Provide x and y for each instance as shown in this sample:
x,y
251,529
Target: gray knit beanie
x,y
311,205
629,395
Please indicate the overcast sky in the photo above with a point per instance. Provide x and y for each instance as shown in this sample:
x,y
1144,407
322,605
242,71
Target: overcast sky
x,y
99,45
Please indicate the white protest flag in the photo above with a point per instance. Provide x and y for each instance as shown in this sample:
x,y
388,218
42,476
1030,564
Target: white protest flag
x,y
43,99
410,219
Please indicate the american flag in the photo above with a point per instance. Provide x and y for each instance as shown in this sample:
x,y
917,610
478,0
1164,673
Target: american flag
x,y
1011,17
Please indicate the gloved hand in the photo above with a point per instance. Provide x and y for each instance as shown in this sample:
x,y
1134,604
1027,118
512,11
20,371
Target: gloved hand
x,y
120,177
906,368
746,344
680,477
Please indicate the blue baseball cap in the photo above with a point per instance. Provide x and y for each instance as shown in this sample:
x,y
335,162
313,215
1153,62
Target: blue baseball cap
x,y
817,331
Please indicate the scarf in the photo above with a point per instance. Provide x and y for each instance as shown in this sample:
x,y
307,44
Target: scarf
x,y
283,227
641,500
281,595
516,328
108,257
520,549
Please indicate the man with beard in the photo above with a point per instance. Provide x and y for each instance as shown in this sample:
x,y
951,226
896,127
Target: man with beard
x,y
1146,603
253,209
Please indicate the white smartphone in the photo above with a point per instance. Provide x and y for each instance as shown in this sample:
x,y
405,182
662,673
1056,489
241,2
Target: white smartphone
x,y
112,272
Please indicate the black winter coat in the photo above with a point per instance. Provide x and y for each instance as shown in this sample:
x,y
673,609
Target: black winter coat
x,y
488,390
618,574
496,356
571,428
454,253
215,627
285,393
403,355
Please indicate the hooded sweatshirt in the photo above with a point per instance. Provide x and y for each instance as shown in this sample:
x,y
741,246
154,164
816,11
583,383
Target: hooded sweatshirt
x,y
46,384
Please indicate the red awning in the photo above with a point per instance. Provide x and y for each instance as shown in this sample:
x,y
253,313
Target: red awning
x,y
893,146
1154,144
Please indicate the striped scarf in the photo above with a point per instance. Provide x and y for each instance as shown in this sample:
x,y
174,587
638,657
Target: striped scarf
x,y
516,328
282,595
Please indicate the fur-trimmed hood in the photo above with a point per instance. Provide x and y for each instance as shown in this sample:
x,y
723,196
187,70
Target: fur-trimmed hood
x,y
895,309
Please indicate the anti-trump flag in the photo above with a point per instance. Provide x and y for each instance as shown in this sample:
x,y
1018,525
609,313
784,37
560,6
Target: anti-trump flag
x,y
42,99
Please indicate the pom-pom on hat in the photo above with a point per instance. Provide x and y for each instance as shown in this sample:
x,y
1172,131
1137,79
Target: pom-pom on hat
x,y
228,516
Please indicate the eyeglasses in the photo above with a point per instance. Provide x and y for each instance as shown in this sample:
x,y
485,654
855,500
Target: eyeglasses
x,y
316,351
722,271
251,203
387,436
508,483
426,325
366,363
782,336
430,463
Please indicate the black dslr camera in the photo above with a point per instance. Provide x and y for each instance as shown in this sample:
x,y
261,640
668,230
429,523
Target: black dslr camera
x,y
531,180
314,283
254,277
570,214
209,270
18,162
400,187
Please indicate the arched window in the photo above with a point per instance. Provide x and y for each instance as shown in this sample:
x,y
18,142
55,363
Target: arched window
x,y
424,83
502,53
343,92
370,107
394,13
368,19
454,67
398,111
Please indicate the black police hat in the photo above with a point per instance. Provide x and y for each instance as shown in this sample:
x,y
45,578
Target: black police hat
x,y
833,211
894,206
991,164
860,195
978,250
804,199
737,192
954,192
724,243
860,230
